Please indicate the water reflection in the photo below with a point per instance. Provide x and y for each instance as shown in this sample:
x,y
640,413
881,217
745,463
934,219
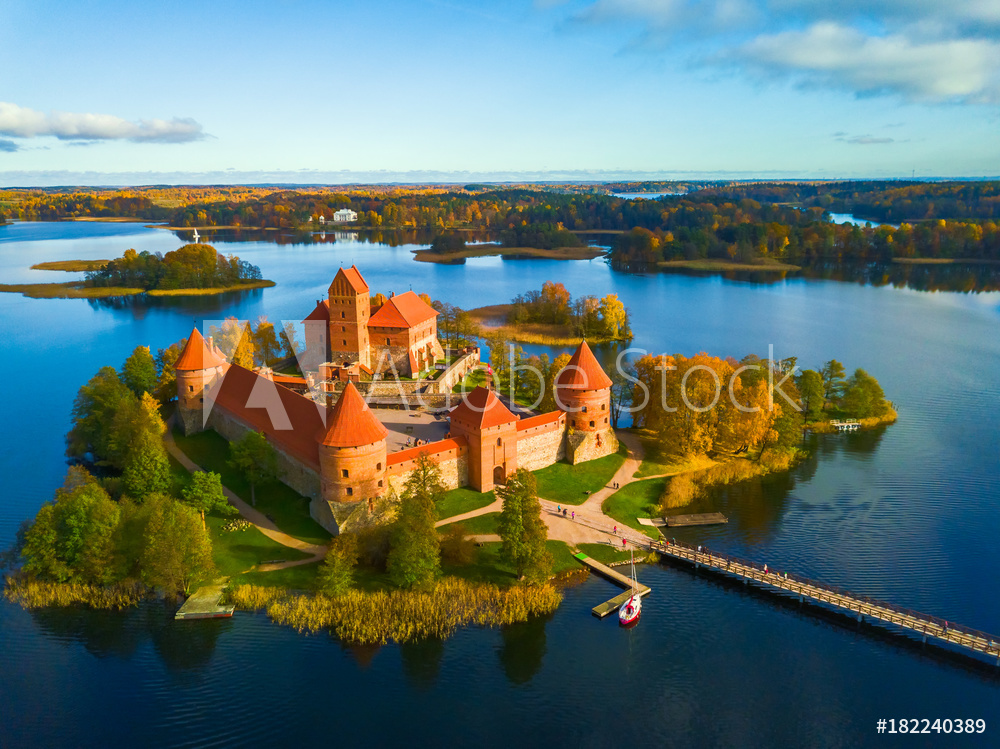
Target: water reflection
x,y
422,662
523,649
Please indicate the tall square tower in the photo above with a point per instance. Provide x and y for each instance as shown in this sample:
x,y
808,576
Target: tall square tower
x,y
350,308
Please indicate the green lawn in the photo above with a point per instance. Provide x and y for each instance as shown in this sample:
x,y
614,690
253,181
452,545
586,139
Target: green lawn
x,y
462,500
476,526
287,508
636,500
472,380
236,551
605,553
487,567
571,485
302,578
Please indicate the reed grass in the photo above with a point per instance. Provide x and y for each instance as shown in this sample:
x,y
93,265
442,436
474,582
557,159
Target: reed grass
x,y
70,265
35,594
380,617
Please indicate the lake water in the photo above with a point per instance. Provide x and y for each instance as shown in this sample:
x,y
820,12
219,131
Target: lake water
x,y
849,218
910,514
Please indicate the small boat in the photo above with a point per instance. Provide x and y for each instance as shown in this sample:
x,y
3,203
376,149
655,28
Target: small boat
x,y
629,612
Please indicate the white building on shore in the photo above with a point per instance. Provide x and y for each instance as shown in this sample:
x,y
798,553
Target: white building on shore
x,y
345,215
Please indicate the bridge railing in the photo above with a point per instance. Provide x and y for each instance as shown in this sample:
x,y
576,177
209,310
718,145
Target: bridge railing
x,y
725,561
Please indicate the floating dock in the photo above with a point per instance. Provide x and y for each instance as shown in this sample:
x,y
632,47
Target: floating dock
x,y
707,518
204,603
609,607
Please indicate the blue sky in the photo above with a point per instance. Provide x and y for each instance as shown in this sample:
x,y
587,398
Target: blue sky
x,y
108,92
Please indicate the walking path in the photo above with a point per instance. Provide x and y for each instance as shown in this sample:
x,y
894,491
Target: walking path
x,y
255,516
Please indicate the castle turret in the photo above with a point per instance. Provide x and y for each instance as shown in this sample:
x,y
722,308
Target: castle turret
x,y
491,431
349,310
352,451
583,391
199,365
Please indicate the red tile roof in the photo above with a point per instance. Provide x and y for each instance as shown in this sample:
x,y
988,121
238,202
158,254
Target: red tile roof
x,y
197,355
482,408
583,372
354,279
539,420
296,430
402,311
352,424
431,448
322,312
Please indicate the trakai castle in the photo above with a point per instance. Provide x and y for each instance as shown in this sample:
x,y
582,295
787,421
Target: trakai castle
x,y
337,454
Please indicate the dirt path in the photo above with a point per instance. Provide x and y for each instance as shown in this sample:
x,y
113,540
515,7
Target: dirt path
x,y
255,516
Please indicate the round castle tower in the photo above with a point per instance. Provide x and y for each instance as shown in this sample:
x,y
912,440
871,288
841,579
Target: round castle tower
x,y
583,392
198,366
352,451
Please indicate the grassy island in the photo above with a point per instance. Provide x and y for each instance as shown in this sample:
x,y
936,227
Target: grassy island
x,y
192,270
489,250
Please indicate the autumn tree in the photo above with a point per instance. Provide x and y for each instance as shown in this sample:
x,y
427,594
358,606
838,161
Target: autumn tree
x,y
254,457
522,531
415,556
72,537
139,371
336,572
177,550
205,494
265,341
812,389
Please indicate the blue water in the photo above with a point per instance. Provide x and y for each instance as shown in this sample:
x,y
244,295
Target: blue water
x,y
910,514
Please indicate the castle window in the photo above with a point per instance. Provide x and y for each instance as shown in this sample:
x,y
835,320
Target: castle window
x,y
591,423
380,483
386,341
345,343
605,419
343,314
343,328
343,471
378,467
499,442
585,409
603,406
350,492
190,388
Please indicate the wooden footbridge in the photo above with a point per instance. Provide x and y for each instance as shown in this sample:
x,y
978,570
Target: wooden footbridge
x,y
967,640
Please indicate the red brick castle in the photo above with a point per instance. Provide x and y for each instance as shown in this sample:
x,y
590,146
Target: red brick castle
x,y
338,456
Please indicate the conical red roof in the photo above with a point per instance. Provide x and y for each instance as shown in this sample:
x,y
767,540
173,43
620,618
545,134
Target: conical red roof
x,y
197,355
482,408
351,423
583,371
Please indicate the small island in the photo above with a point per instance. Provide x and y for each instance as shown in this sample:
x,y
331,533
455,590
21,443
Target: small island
x,y
195,269
450,247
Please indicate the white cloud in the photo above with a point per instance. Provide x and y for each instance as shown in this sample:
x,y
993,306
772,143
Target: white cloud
x,y
834,55
21,122
920,50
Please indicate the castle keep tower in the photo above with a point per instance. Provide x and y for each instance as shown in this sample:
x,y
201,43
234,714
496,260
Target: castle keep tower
x,y
350,308
491,431
199,365
352,453
583,391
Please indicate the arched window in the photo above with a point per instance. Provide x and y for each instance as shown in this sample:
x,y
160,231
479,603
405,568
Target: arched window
x,y
378,467
499,442
591,423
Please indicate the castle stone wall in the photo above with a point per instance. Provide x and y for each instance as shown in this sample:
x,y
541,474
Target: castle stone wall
x,y
582,446
540,445
293,472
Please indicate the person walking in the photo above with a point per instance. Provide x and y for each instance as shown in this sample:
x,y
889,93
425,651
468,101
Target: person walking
x,y
574,514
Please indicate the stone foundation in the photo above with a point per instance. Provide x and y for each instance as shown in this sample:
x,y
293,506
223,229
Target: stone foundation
x,y
583,446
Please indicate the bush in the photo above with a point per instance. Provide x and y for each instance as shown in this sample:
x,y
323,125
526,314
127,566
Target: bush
x,y
455,547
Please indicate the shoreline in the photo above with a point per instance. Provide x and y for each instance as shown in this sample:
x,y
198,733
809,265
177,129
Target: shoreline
x,y
489,250
77,290
716,266
489,319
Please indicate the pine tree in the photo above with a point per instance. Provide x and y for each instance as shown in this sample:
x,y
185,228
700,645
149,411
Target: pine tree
x,y
522,529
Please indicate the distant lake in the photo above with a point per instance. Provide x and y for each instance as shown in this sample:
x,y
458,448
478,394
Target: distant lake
x,y
909,513
848,218
644,195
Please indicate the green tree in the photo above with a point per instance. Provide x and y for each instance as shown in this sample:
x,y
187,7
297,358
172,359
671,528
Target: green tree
x,y
863,396
72,538
812,389
336,573
177,551
833,380
147,468
139,371
522,529
205,494
166,375
94,409
253,456
415,555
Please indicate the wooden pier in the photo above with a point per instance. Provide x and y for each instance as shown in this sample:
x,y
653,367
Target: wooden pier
x,y
707,518
847,425
609,607
925,626
204,603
